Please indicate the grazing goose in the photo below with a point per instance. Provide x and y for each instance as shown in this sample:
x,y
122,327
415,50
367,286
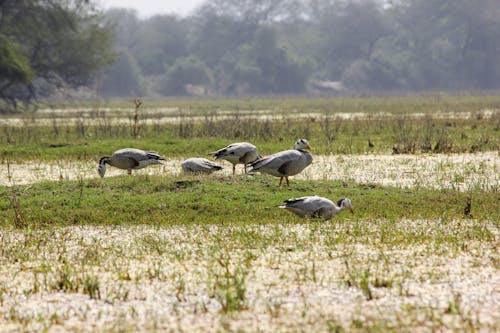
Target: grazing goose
x,y
237,153
314,206
199,165
285,163
129,159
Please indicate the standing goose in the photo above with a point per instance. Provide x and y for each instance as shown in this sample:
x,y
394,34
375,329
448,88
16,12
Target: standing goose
x,y
314,206
199,165
237,153
129,159
285,163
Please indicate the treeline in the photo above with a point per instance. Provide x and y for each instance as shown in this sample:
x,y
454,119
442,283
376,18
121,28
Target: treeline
x,y
240,47
248,47
49,47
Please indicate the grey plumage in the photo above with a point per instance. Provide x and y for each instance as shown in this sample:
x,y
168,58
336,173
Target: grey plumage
x,y
285,163
315,206
237,153
199,165
129,159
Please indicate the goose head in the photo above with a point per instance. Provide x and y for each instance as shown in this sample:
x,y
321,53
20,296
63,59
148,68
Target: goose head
x,y
101,168
301,144
345,203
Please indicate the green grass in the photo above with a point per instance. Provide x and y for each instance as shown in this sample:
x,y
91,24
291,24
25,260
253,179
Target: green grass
x,y
428,103
400,133
170,200
214,251
202,245
333,136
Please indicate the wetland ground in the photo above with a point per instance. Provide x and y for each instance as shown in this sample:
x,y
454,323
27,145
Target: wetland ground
x,y
162,251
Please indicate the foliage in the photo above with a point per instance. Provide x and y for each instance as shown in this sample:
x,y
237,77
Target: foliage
x,y
350,31
13,64
184,71
185,200
123,78
199,126
275,47
54,44
267,68
155,42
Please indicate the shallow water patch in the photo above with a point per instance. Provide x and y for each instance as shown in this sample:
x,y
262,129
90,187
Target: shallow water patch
x,y
440,171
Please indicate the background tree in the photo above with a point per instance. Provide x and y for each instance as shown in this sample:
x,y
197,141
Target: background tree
x,y
266,67
275,47
123,78
235,47
160,40
349,32
52,44
184,71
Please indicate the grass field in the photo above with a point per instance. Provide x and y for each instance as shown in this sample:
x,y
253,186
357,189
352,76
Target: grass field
x,y
161,251
434,124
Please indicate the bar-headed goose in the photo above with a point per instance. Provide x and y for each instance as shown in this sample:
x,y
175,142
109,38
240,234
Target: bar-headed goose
x,y
129,159
237,153
314,206
285,163
199,165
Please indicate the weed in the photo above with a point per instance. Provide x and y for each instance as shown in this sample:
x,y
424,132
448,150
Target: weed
x,y
135,124
334,327
66,279
91,286
229,285
15,202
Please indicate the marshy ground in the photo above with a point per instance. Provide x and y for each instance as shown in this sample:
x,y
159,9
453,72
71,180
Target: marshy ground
x,y
457,171
161,251
295,276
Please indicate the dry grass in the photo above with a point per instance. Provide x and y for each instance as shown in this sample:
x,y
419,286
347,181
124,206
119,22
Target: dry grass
x,y
300,277
456,171
204,271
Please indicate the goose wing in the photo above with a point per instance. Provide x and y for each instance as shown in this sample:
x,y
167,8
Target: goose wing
x,y
234,151
281,163
308,206
137,154
132,158
199,165
151,155
275,161
309,203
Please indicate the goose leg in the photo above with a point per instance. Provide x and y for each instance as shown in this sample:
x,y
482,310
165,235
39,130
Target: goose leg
x,y
129,171
281,180
234,169
287,182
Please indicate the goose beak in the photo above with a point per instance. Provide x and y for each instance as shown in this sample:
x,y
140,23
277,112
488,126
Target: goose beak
x,y
309,147
101,170
352,210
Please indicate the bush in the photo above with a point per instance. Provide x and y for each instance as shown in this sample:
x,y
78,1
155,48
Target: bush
x,y
123,78
184,71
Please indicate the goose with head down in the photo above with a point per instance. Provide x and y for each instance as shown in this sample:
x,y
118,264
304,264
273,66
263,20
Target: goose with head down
x,y
285,163
199,165
129,159
315,206
237,153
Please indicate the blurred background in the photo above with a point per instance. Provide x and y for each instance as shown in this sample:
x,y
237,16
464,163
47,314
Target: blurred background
x,y
218,48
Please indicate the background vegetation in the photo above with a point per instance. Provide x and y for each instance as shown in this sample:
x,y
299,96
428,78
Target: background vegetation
x,y
167,200
186,128
287,46
240,47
